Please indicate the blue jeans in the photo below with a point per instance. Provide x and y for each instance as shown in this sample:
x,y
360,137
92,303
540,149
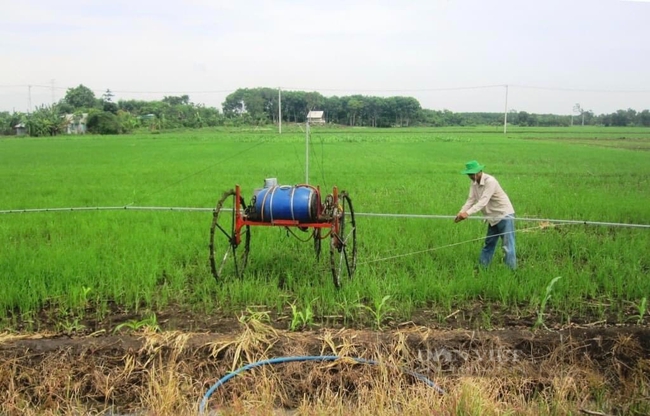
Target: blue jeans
x,y
505,229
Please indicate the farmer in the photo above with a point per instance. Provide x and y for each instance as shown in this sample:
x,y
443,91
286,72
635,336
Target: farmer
x,y
487,196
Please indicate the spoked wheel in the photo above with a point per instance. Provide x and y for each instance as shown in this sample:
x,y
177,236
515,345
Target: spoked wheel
x,y
228,247
343,244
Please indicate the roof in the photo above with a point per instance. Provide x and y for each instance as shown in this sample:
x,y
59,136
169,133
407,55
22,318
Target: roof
x,y
315,114
19,126
70,117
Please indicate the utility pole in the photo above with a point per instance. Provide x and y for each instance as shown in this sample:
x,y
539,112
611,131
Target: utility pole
x,y
280,110
29,96
307,152
52,91
505,114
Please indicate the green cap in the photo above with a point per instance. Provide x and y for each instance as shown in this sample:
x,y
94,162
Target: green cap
x,y
472,167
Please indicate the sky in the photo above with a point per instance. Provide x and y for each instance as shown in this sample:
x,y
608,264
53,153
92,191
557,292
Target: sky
x,y
449,54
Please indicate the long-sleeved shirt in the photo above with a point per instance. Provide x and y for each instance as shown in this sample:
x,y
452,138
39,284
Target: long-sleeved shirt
x,y
488,197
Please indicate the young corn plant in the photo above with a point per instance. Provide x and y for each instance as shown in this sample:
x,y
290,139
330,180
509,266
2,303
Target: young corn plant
x,y
71,326
379,310
642,307
542,306
301,319
150,323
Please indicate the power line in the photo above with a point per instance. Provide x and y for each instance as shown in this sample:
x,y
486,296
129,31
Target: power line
x,y
33,85
533,87
121,91
424,89
400,90
173,92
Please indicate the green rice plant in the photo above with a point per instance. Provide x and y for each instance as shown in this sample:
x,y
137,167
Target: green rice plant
x,y
348,308
545,299
147,260
101,309
486,318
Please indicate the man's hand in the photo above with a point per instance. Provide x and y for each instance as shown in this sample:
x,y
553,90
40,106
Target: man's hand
x,y
461,216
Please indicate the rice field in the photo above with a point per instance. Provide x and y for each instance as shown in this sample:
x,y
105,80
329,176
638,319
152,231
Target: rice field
x,y
67,266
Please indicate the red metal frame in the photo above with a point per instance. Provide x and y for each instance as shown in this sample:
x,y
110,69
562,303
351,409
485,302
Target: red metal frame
x,y
241,222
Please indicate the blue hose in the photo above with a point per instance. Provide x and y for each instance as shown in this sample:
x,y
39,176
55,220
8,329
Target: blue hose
x,y
280,360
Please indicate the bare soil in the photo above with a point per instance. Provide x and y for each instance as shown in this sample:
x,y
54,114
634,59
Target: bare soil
x,y
101,370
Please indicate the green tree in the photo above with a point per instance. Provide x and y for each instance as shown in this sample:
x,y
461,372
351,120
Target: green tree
x,y
103,122
126,121
644,118
333,108
134,107
8,121
295,104
408,108
354,107
313,101
622,117
180,100
46,121
64,107
525,119
80,97
234,104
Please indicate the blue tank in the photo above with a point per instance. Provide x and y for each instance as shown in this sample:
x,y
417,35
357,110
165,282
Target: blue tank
x,y
296,203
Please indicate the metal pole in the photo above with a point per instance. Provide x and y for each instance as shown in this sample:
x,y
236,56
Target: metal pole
x,y
307,153
280,110
505,114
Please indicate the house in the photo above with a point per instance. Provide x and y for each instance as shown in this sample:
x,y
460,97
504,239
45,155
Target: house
x,y
316,117
21,129
76,123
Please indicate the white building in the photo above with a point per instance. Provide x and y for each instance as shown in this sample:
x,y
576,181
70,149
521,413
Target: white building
x,y
76,124
316,117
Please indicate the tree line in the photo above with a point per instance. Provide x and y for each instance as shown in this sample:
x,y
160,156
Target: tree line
x,y
260,106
